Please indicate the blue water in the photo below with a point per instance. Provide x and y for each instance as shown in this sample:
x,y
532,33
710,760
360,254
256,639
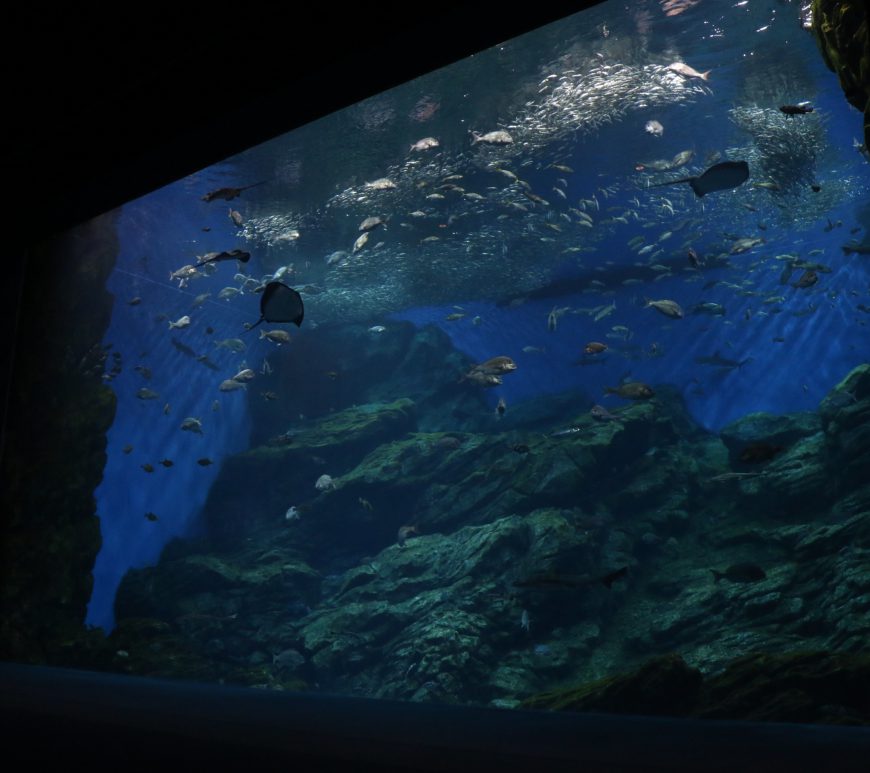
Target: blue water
x,y
164,231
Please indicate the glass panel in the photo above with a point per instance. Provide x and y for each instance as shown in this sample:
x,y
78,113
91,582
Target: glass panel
x,y
579,388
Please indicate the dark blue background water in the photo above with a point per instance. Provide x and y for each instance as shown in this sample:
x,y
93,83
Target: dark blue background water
x,y
164,231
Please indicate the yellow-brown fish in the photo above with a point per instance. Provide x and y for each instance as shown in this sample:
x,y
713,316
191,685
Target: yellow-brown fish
x,y
594,347
496,366
631,390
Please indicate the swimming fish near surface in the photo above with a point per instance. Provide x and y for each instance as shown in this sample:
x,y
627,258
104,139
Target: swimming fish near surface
x,y
719,177
217,257
681,68
227,194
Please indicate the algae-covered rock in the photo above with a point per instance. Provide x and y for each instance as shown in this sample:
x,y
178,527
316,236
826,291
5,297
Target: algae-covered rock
x,y
663,686
286,475
196,583
845,413
842,30
789,687
792,687
767,428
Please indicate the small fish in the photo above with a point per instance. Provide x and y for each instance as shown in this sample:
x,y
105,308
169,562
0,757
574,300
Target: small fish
x,y
455,316
217,257
600,413
717,361
134,301
143,371
325,483
370,223
244,375
801,108
204,462
427,143
236,217
127,449
654,128
631,390
501,407
377,329
166,409
854,247
565,432
230,385
191,424
276,336
520,448
807,279
552,321
381,184
200,299
148,467
525,623
404,533
228,194
743,572
360,242
743,245
146,394
713,309
681,68
151,516
236,345
496,366
292,514
166,462
180,323
365,504
499,137
595,347
483,379
669,308
269,395
533,350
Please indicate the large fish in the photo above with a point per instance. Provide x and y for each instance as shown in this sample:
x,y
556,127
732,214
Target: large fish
x,y
719,177
280,304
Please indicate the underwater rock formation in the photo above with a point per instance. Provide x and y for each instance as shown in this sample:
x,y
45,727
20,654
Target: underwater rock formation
x,y
523,561
842,30
55,446
817,687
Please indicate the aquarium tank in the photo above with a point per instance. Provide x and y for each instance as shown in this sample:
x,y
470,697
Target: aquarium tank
x,y
540,381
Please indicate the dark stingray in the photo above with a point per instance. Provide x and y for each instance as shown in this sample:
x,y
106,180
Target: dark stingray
x,y
719,177
280,304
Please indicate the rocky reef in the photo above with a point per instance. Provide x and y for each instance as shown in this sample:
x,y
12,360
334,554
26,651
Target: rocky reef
x,y
55,447
372,557
842,30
